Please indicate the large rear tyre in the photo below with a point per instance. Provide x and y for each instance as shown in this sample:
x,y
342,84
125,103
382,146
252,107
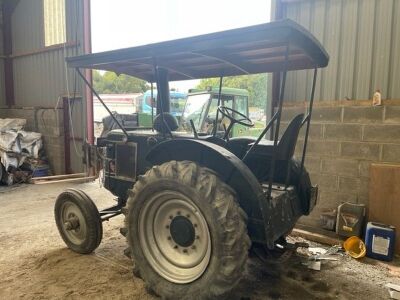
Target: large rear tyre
x,y
186,232
78,221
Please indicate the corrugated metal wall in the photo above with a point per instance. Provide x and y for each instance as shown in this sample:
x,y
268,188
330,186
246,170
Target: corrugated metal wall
x,y
2,89
40,73
40,78
362,38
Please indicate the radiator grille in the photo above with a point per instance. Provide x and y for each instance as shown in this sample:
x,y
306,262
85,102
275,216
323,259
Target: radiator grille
x,y
126,161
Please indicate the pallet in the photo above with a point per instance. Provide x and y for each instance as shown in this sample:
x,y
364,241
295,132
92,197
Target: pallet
x,y
302,231
77,177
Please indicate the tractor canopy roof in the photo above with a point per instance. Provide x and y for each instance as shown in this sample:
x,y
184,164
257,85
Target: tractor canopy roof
x,y
249,50
224,91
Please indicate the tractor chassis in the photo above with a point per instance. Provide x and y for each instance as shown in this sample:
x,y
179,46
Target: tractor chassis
x,y
111,212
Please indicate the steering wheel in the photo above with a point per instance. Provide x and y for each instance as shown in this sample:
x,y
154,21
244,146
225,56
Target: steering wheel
x,y
229,113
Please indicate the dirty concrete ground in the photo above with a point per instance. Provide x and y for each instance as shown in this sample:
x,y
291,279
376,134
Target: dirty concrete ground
x,y
35,264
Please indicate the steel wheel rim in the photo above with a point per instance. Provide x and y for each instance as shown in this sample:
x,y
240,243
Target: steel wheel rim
x,y
71,210
177,260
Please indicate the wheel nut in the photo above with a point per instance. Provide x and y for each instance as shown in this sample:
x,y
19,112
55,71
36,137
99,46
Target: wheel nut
x,y
193,247
187,216
171,217
169,238
175,247
178,213
195,225
197,237
185,251
167,226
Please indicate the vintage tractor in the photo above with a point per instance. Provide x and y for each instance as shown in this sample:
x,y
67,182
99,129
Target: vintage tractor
x,y
194,203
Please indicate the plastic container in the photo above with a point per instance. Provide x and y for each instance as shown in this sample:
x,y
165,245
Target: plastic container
x,y
328,220
380,241
355,247
350,219
41,171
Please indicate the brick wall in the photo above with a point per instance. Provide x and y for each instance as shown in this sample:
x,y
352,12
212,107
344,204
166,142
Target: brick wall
x,y
49,122
345,138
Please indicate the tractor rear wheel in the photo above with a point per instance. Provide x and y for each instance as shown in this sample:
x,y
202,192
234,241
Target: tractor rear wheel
x,y
186,232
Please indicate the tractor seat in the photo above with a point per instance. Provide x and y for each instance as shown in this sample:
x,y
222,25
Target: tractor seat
x,y
239,145
286,145
215,140
165,123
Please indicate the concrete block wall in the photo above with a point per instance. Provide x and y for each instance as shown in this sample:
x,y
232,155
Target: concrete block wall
x,y
49,122
345,138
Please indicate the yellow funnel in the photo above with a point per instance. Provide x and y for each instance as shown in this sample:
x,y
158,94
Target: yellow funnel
x,y
355,247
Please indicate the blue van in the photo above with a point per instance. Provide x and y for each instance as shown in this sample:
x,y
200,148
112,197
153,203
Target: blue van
x,y
177,103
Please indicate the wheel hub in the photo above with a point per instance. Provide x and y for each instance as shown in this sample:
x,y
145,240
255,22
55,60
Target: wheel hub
x,y
74,224
174,237
182,231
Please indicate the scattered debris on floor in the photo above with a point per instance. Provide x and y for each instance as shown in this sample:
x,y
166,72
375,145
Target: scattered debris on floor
x,y
21,153
394,290
315,257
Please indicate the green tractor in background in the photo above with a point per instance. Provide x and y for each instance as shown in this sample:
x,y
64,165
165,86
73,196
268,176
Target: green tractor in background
x,y
202,105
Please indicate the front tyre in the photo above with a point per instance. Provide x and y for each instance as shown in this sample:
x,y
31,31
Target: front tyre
x,y
186,232
78,221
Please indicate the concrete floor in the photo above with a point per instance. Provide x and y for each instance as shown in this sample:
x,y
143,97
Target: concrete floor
x,y
35,264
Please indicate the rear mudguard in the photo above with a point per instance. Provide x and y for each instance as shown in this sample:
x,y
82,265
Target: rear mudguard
x,y
229,168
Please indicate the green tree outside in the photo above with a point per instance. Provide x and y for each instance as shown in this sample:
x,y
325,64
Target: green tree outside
x,y
110,83
255,84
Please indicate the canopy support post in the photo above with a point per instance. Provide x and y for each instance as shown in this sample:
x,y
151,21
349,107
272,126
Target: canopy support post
x,y
219,103
163,105
163,98
102,102
308,120
152,105
278,121
87,46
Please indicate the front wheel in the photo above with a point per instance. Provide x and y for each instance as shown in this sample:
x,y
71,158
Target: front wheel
x,y
78,221
186,232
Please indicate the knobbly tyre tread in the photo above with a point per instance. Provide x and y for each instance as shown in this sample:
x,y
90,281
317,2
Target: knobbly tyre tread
x,y
223,272
93,220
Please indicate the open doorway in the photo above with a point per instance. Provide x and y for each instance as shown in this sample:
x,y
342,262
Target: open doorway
x,y
126,24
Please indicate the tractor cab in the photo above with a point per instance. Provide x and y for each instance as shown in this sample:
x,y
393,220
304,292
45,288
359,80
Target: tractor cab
x,y
202,105
194,201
